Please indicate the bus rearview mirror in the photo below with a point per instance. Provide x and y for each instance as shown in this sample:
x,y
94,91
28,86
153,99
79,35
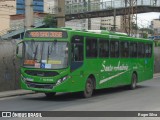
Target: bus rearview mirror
x,y
19,50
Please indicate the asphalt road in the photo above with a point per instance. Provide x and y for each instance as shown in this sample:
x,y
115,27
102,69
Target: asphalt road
x,y
145,98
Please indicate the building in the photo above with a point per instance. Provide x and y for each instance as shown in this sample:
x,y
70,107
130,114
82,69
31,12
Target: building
x,y
10,8
46,6
50,6
83,24
38,6
7,8
77,24
155,25
108,23
97,23
82,5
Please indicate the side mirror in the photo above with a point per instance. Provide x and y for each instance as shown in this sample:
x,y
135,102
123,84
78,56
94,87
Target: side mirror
x,y
19,50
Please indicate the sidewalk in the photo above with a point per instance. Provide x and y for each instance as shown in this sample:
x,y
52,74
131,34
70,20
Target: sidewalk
x,y
25,92
15,93
156,74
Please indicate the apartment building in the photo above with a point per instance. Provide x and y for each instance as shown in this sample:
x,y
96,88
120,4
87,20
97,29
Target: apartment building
x,y
38,6
16,8
7,8
78,6
108,23
155,25
50,6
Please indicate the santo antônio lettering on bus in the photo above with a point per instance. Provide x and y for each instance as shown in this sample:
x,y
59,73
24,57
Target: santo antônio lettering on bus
x,y
46,34
119,67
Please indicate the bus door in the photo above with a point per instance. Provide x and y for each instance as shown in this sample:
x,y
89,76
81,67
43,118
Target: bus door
x,y
77,52
148,61
77,60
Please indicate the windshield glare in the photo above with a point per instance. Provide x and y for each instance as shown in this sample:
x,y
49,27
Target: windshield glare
x,y
46,55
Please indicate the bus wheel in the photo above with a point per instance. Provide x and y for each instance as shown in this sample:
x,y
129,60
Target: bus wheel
x,y
50,95
133,81
88,88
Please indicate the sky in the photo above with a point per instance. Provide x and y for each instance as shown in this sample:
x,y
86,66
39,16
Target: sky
x,y
145,19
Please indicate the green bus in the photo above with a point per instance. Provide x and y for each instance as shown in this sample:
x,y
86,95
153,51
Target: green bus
x,y
65,60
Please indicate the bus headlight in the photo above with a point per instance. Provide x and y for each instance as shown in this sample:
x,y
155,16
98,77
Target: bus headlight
x,y
26,79
61,80
22,78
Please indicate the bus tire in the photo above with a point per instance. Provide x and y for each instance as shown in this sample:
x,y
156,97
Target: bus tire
x,y
88,88
50,95
133,81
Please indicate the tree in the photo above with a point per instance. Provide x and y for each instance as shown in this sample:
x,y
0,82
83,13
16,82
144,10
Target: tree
x,y
134,26
144,35
50,21
150,31
102,28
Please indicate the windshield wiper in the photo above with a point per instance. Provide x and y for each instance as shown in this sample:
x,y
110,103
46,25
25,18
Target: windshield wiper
x,y
48,54
35,53
42,52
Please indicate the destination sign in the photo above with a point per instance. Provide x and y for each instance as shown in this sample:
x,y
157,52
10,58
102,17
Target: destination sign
x,y
46,34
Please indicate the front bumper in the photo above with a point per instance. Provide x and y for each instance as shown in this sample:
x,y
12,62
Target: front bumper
x,y
46,87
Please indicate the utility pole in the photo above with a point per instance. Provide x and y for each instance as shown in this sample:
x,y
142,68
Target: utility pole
x,y
89,19
61,13
114,24
29,15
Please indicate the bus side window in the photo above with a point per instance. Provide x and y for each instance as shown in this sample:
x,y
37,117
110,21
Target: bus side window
x,y
77,52
124,49
91,48
141,50
133,50
103,48
148,50
77,48
114,49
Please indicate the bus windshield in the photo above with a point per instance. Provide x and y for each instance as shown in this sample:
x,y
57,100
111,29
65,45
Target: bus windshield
x,y
46,55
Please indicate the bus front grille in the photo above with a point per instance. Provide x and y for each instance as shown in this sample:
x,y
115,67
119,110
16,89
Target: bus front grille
x,y
40,85
42,73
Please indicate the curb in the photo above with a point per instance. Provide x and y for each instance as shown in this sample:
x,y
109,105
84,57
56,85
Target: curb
x,y
15,93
